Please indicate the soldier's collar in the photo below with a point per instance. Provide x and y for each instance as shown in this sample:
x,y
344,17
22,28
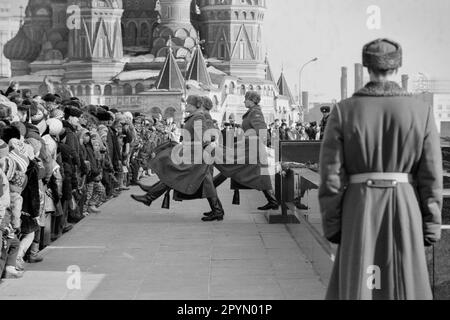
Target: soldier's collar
x,y
251,109
198,111
382,89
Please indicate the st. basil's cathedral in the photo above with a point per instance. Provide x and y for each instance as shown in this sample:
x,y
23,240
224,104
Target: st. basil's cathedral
x,y
147,55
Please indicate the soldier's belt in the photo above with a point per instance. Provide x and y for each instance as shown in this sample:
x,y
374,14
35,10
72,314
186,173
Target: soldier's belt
x,y
381,179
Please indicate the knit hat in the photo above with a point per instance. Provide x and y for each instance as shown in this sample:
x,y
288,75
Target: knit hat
x,y
19,154
4,149
55,127
57,113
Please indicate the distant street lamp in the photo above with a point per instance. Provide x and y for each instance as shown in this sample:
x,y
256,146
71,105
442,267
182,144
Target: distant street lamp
x,y
300,104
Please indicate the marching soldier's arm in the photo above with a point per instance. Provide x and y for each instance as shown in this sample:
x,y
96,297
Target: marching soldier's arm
x,y
332,176
430,183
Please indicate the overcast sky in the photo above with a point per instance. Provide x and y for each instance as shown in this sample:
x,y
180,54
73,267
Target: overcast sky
x,y
336,30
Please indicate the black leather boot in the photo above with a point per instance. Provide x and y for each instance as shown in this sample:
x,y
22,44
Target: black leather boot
x,y
154,193
208,214
217,210
273,202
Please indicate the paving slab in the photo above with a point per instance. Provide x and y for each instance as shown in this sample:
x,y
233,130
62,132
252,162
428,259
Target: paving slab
x,y
133,252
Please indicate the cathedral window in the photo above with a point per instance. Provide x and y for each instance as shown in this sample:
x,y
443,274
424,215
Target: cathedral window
x,y
139,88
108,90
127,90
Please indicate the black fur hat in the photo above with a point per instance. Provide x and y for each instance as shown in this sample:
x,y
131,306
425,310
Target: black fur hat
x,y
103,115
382,54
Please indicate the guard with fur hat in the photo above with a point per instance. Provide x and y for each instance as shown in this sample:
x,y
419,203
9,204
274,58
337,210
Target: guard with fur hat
x,y
381,189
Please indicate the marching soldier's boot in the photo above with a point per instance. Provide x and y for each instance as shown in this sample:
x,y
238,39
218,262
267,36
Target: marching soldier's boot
x,y
217,210
273,202
208,214
154,193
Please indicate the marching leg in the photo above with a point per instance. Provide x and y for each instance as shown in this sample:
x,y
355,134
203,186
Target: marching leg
x,y
217,210
154,193
273,202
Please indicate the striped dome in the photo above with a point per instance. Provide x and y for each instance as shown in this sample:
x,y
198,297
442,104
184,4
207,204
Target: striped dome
x,y
22,48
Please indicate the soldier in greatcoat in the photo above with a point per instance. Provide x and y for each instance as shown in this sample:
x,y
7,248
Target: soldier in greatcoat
x,y
381,186
187,179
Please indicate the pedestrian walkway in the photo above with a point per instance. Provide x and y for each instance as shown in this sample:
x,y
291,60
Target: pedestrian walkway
x,y
130,251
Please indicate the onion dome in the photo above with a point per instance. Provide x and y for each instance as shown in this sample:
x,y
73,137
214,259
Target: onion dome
x,y
22,48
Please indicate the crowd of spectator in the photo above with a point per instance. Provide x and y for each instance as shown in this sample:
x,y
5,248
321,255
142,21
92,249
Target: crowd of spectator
x,y
60,160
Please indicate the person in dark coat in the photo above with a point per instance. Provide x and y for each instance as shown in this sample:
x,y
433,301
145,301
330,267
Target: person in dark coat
x,y
185,178
251,175
381,186
323,123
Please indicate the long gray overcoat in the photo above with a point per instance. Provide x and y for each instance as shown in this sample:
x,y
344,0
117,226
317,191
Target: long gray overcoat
x,y
382,233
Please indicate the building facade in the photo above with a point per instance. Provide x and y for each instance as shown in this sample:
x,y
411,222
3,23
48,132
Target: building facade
x,y
114,52
9,25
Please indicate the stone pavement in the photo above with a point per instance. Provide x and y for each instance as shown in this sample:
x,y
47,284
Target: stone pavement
x,y
130,251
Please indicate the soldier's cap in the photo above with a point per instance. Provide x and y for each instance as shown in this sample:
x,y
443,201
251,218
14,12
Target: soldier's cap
x,y
325,109
195,101
253,96
382,54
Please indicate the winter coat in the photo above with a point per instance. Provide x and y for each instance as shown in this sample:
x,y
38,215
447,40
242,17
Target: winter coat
x,y
381,129
69,177
31,199
185,178
95,167
250,174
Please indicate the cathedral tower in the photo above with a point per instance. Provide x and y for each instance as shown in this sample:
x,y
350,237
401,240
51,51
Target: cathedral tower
x,y
175,24
233,31
95,47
